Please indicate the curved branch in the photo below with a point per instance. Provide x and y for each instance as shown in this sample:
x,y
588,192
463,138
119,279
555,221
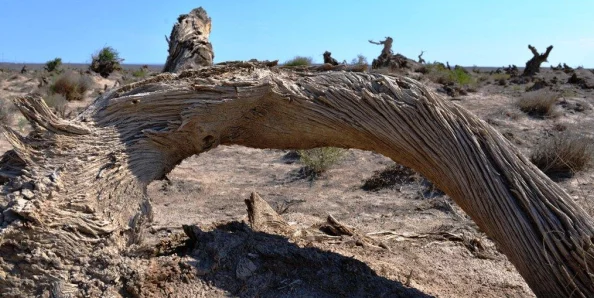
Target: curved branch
x,y
142,131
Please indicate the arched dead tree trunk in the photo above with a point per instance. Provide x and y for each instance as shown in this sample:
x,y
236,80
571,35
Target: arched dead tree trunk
x,y
189,47
77,189
533,65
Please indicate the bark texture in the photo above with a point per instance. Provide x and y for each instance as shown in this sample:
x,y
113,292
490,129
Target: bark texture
x,y
189,47
533,65
76,199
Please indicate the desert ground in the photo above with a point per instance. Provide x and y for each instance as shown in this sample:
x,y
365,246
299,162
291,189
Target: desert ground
x,y
410,239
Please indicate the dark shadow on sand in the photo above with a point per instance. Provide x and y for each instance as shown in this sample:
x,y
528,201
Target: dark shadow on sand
x,y
234,258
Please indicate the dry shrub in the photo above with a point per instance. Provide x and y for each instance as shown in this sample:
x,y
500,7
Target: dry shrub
x,y
58,103
563,154
389,177
319,160
7,110
71,85
539,104
360,62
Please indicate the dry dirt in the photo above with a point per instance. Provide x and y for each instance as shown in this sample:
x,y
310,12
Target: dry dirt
x,y
422,244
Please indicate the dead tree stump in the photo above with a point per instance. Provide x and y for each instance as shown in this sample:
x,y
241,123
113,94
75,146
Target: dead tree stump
x,y
328,59
189,47
533,65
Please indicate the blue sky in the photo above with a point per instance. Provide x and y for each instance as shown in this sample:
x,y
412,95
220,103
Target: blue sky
x,y
474,32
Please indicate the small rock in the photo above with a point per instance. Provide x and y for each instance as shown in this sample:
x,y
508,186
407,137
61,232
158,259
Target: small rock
x,y
245,269
19,204
27,194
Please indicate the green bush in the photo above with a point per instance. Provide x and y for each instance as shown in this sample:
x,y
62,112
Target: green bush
x,y
539,104
319,160
71,85
53,65
563,154
438,73
461,76
106,61
299,61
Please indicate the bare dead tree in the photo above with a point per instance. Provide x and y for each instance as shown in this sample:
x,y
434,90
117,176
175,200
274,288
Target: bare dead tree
x,y
387,43
383,60
77,204
421,60
533,65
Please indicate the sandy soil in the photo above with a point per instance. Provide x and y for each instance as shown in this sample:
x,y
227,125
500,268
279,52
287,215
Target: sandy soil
x,y
409,219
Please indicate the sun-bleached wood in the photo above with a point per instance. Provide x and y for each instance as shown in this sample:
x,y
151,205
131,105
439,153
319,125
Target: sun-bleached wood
x,y
78,199
188,42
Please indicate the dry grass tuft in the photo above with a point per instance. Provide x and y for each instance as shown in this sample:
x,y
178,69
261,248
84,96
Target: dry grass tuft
x,y
539,104
563,154
72,86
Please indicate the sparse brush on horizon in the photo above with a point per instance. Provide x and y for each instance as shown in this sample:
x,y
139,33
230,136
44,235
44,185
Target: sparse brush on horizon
x,y
71,85
53,65
438,73
316,161
539,104
141,72
563,154
106,61
299,61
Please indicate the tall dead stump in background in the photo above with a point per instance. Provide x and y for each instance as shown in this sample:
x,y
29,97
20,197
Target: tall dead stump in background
x,y
189,47
533,65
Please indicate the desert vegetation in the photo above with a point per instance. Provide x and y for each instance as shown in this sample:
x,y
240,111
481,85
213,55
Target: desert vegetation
x,y
563,154
76,185
106,61
71,85
299,61
318,160
53,65
539,104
